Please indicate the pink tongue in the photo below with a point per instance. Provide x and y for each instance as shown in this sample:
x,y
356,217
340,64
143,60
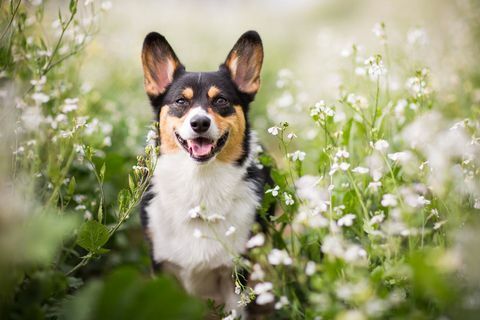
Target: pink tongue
x,y
200,148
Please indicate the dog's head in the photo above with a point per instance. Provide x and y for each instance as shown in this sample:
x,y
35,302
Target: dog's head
x,y
203,113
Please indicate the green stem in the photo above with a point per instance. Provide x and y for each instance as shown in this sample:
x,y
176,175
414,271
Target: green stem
x,y
63,175
359,196
14,13
377,95
100,186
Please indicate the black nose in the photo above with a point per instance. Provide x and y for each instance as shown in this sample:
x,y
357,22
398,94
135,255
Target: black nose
x,y
200,124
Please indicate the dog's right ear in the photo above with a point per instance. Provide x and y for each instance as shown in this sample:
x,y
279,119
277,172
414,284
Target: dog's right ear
x,y
159,64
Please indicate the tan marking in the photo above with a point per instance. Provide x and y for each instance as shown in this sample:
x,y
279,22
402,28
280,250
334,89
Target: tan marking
x,y
245,70
235,124
188,93
231,63
213,91
150,85
157,73
168,125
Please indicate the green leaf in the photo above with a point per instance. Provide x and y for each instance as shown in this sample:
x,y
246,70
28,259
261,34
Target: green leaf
x,y
102,173
123,201
347,128
60,16
100,211
92,236
71,187
73,6
131,184
36,240
126,294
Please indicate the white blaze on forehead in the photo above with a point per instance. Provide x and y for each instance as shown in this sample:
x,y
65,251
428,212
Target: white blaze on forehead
x,y
186,131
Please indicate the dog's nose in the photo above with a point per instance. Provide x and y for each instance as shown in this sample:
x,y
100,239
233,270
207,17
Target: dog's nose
x,y
200,123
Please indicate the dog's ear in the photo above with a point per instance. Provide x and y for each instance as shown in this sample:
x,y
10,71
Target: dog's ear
x,y
159,64
244,62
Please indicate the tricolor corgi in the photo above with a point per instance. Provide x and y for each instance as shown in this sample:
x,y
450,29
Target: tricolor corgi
x,y
207,186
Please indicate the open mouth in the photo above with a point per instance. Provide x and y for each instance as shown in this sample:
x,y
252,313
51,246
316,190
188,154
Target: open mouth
x,y
202,149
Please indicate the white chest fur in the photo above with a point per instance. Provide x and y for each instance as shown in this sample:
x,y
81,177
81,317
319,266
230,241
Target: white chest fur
x,y
179,185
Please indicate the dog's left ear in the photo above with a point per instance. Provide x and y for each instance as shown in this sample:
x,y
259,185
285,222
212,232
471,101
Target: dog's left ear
x,y
159,64
244,62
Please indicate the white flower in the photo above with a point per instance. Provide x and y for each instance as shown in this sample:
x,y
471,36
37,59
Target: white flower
x,y
32,117
277,257
258,273
381,145
106,5
418,87
375,67
79,38
87,2
288,199
344,166
281,303
285,100
354,253
40,97
379,31
389,200
195,212
39,83
262,287
332,245
215,217
231,316
334,168
476,205
197,233
439,224
321,110
357,101
377,219
342,153
417,36
265,298
107,141
297,155
403,156
256,241
87,215
274,130
422,201
291,136
346,220
273,191
360,170
231,230
140,169
310,268
262,290
151,136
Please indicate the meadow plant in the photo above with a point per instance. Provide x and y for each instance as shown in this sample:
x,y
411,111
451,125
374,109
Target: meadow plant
x,y
56,216
379,224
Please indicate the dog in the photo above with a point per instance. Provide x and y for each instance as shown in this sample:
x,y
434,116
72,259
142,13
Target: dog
x,y
201,204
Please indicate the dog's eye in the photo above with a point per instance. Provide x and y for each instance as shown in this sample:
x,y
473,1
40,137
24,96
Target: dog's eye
x,y
220,101
181,102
